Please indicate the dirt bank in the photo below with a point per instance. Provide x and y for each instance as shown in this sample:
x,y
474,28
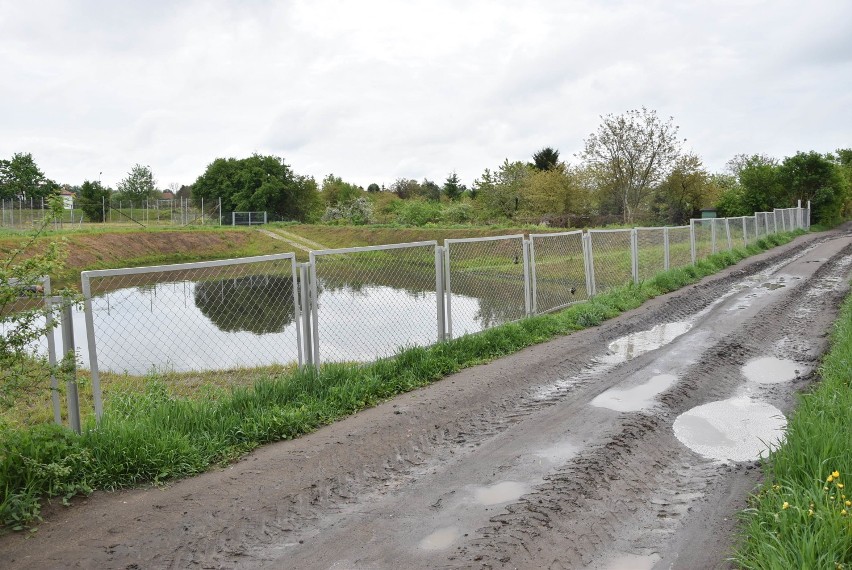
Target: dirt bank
x,y
629,445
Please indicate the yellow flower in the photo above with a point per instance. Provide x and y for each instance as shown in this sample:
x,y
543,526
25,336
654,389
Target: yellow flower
x,y
840,485
786,505
810,512
835,474
843,512
830,478
831,497
825,488
848,503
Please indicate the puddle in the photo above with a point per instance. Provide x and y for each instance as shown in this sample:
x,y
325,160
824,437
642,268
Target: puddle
x,y
637,398
635,344
737,429
499,493
558,453
772,286
631,562
440,539
771,370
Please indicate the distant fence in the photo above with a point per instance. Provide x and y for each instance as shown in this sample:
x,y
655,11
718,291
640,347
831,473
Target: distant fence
x,y
25,214
237,320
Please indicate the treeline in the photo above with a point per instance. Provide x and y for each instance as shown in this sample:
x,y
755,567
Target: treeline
x,y
632,170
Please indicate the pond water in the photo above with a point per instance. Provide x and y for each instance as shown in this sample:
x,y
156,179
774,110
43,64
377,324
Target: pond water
x,y
249,322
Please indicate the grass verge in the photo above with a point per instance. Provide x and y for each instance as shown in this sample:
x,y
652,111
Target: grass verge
x,y
801,517
155,435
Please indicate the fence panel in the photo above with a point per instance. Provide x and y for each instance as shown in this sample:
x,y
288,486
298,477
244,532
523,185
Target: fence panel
x,y
750,234
652,251
368,302
612,258
737,234
558,270
704,243
680,254
193,324
486,283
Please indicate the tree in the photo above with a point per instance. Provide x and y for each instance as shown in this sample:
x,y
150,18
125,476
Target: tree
x,y
453,188
184,192
632,153
139,184
501,194
92,197
762,190
430,190
258,183
405,188
811,176
684,191
21,178
335,191
546,159
549,192
372,188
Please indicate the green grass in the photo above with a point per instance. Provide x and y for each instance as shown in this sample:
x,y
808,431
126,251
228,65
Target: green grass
x,y
155,434
814,529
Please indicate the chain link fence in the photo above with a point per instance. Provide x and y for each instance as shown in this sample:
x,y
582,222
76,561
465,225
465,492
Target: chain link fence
x,y
680,249
703,242
651,248
211,323
487,282
368,302
612,258
558,267
736,228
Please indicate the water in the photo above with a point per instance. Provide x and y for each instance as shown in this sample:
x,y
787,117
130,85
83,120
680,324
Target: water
x,y
771,370
441,539
634,399
249,322
500,493
635,344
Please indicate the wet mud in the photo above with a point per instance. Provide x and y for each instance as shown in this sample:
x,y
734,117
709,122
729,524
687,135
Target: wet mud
x,y
629,445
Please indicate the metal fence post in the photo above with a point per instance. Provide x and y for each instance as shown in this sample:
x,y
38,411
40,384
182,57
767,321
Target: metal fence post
x,y
449,290
49,302
808,220
634,255
525,248
590,263
314,301
666,258
728,233
304,298
69,364
692,239
713,235
745,233
90,340
439,292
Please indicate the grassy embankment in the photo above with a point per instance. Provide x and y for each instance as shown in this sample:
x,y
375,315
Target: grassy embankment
x,y
802,515
154,435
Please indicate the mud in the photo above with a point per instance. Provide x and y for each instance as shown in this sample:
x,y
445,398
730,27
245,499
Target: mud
x,y
506,464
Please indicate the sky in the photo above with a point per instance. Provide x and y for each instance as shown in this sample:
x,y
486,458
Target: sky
x,y
372,91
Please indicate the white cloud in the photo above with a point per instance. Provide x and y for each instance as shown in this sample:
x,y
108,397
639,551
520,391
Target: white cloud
x,y
377,90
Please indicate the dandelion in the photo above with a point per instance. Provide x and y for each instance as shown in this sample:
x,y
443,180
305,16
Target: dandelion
x,y
810,512
835,474
843,513
848,503
830,478
840,485
786,505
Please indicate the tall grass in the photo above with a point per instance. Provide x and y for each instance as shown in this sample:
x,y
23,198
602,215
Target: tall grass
x,y
155,435
802,515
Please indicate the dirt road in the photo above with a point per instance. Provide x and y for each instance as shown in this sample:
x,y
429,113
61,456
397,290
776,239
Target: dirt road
x,y
629,445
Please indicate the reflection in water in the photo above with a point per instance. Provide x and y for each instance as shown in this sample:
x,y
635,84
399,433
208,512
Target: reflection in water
x,y
260,304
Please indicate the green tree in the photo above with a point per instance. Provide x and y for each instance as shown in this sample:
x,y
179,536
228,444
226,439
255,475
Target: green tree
x,y
139,184
501,197
92,198
20,177
430,190
811,176
762,190
548,192
405,188
453,188
372,188
335,191
684,191
632,153
546,159
259,183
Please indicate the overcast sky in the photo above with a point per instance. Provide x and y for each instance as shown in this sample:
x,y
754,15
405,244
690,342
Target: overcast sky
x,y
373,91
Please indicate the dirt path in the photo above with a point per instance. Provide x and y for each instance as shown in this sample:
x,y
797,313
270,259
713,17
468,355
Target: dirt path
x,y
569,454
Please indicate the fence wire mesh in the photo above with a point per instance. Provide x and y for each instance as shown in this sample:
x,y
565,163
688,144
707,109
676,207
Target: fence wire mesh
x,y
612,258
750,230
651,250
680,249
486,283
370,302
704,243
737,232
192,325
558,270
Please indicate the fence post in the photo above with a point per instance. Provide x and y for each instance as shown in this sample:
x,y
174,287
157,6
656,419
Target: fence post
x,y
808,221
529,277
666,259
304,301
588,256
728,233
449,290
69,365
713,235
234,219
312,280
634,254
692,240
745,233
93,349
439,292
220,212
51,352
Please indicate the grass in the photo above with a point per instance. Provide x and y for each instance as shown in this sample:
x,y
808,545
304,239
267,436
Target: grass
x,y
156,434
802,515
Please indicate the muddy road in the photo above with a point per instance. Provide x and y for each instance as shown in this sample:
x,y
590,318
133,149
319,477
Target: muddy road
x,y
629,445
